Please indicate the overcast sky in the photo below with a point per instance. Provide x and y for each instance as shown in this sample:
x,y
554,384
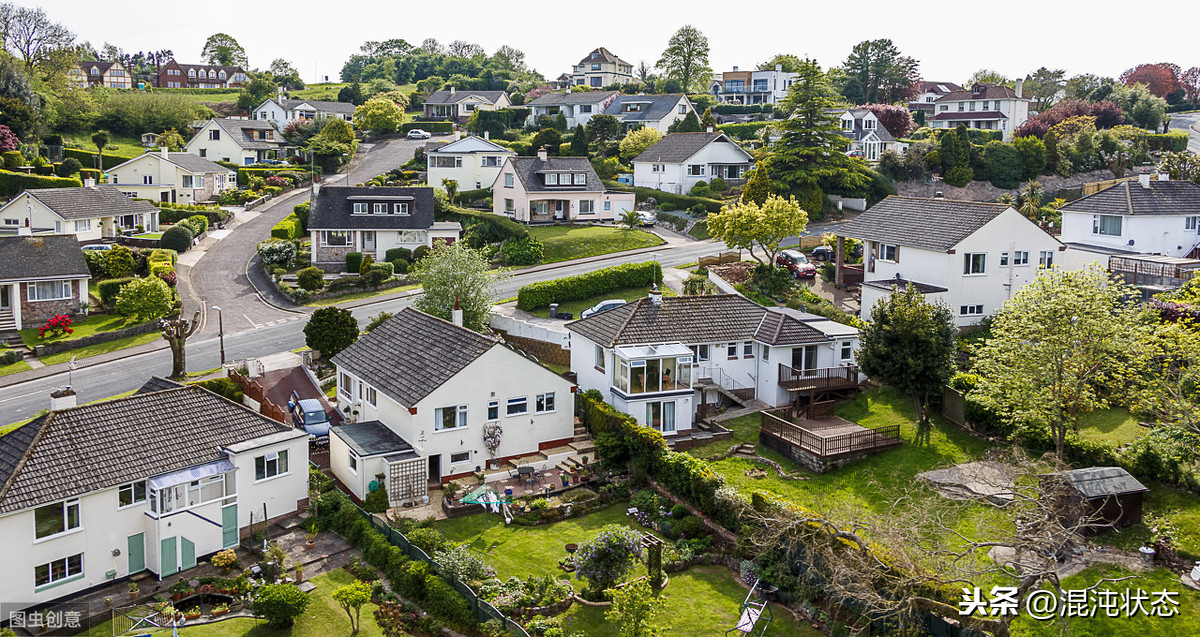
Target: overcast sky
x,y
951,40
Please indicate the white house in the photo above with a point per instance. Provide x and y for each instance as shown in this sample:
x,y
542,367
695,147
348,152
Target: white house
x,y
172,177
659,359
1149,216
90,213
927,93
280,110
473,162
866,135
545,189
422,393
752,87
972,256
372,220
455,104
601,68
577,107
985,106
40,278
240,141
649,111
150,482
679,160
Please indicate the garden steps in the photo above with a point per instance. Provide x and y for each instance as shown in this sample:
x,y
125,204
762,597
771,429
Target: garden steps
x,y
530,459
583,446
558,451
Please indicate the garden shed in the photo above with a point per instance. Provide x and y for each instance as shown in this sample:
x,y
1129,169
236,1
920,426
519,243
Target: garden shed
x,y
1103,497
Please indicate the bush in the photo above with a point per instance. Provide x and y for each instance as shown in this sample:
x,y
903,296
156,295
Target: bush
x,y
365,265
666,206
679,512
747,130
280,604
159,254
443,601
400,266
88,158
376,501
377,320
522,251
311,279
429,540
675,221
677,201
225,387
1005,164
431,127
11,183
276,252
386,268
288,228
199,223
177,238
718,185
1174,141
699,190
14,159
397,253
108,290
692,527
421,252
582,286
145,298
121,262
301,211
412,581
353,261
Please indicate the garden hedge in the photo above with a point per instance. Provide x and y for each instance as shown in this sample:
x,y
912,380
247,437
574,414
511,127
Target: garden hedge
x,y
582,286
175,215
745,130
177,238
739,109
244,173
1175,141
482,228
680,201
471,196
429,127
288,228
109,289
353,262
88,158
12,183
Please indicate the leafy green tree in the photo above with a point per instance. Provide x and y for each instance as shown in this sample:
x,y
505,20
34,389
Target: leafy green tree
x,y
280,604
883,75
353,94
547,138
454,272
758,187
145,298
223,50
1005,164
1043,85
789,62
602,128
1062,346
285,74
638,141
746,224
689,124
1033,156
579,142
634,608
100,139
988,76
810,154
172,140
330,330
351,598
1031,200
334,144
708,120
451,188
379,115
686,59
258,88
909,344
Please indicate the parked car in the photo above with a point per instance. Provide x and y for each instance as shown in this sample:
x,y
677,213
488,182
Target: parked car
x,y
309,414
417,133
795,262
647,218
827,253
856,153
97,247
601,307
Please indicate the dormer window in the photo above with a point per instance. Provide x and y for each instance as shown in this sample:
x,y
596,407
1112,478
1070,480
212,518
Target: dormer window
x,y
868,124
95,71
379,209
191,72
212,75
221,75
400,209
580,179
551,179
847,124
360,208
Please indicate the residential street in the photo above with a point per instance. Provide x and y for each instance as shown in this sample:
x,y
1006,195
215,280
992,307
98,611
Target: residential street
x,y
1189,122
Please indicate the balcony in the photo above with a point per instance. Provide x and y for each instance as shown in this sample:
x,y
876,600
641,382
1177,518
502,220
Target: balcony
x,y
823,379
825,443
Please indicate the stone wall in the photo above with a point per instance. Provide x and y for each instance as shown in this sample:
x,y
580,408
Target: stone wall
x,y
332,259
102,337
36,313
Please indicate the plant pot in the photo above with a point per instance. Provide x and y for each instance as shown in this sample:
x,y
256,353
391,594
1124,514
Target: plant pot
x,y
218,613
571,548
308,546
175,597
133,594
192,616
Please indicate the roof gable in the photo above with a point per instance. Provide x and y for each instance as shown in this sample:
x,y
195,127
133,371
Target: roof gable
x,y
675,148
1131,198
930,224
578,97
471,144
89,203
530,171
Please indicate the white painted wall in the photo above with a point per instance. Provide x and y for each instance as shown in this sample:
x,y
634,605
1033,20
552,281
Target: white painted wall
x,y
1150,234
676,178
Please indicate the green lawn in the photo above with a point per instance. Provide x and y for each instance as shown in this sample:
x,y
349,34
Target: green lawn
x,y
704,600
1182,510
148,235
576,242
1113,426
126,146
101,348
13,368
576,307
361,295
86,326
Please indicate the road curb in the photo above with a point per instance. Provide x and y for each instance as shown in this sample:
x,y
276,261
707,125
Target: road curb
x,y
58,368
262,297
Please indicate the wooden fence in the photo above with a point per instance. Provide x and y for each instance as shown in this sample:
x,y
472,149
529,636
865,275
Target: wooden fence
x,y
1093,187
825,446
254,391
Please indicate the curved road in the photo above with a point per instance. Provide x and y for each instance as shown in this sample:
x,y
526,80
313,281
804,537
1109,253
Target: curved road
x,y
1189,122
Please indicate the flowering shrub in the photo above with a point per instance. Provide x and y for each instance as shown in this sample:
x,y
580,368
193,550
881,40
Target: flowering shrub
x,y
169,277
276,252
463,564
491,437
225,559
398,619
278,182
606,558
56,326
513,594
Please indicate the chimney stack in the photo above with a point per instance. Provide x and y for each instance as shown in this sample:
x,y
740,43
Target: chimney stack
x,y
89,183
452,89
1144,180
1019,88
542,153
778,68
164,150
487,134
735,69
62,399
656,295
456,315
710,129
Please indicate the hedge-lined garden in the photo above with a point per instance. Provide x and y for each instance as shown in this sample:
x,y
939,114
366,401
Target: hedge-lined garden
x,y
12,183
685,202
573,288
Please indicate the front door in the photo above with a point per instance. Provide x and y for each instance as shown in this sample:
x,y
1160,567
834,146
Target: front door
x,y
229,527
188,551
164,197
435,468
368,241
135,550
4,302
560,210
167,563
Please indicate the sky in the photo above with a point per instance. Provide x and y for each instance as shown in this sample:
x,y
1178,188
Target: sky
x,y
1014,38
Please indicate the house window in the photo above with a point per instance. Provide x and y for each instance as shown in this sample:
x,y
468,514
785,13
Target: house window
x,y
411,236
346,385
608,206
599,358
552,179
1108,225
56,518
586,108
187,181
975,263
400,209
372,396
1189,223
587,207
889,252
460,457
49,290
493,412
962,106
748,349
271,465
869,124
580,179
12,222
700,352
203,151
132,493
205,490
1003,258
731,351
490,162
1021,257
1046,258
508,180
683,109
214,134
972,106
847,350
148,180
517,406
596,82
695,170
447,162
58,570
970,310
58,227
543,403
335,238
379,209
985,105
353,463
595,67
191,72
450,417
661,415
656,168
83,225
360,208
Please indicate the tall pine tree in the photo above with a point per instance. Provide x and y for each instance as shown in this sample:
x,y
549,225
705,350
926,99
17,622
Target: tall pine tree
x,y
579,142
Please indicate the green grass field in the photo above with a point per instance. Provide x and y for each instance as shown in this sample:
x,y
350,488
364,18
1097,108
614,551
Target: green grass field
x,y
1114,426
87,326
700,231
576,242
577,307
101,348
126,146
13,368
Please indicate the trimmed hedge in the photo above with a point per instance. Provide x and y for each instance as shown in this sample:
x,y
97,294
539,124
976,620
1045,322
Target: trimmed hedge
x,y
745,130
582,286
288,228
109,289
353,262
483,228
391,254
12,183
91,173
1174,141
680,201
88,158
175,215
740,109
178,238
429,127
471,196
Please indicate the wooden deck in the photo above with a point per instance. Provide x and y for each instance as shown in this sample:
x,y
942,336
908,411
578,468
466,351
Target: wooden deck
x,y
827,436
818,380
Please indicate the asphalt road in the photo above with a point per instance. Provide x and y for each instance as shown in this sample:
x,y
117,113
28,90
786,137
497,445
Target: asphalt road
x,y
382,157
1189,122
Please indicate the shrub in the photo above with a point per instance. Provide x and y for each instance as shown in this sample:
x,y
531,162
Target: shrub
x,y
57,326
121,262
443,601
573,288
718,185
159,254
199,223
145,298
412,581
224,387
522,251
666,206
311,279
397,253
280,604
279,182
276,252
353,261
177,238
420,253
376,501
604,559
387,269
288,228
679,512
699,191
400,266
675,221
692,527
377,320
108,290
13,160
429,540
301,211
1005,164
365,266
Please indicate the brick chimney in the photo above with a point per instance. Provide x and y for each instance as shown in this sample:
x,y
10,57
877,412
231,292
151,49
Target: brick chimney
x,y
655,295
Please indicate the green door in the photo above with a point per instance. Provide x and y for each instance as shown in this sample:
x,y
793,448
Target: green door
x,y
167,563
229,527
136,550
188,551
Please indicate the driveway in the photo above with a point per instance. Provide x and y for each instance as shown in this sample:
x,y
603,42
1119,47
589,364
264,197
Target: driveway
x,y
383,156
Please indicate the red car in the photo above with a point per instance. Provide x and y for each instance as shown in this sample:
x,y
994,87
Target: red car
x,y
796,263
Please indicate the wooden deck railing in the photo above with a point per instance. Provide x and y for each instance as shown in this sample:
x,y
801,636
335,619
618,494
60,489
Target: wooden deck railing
x,y
796,435
821,379
852,274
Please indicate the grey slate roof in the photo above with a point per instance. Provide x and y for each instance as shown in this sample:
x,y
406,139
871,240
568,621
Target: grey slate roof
x,y
581,97
712,318
446,97
930,224
79,450
986,92
334,207
344,108
1102,482
899,283
195,164
412,354
675,148
25,258
1130,198
90,203
373,438
529,169
158,383
602,55
655,107
236,129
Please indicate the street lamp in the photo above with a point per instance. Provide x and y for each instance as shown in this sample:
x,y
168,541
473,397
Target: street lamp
x,y
221,331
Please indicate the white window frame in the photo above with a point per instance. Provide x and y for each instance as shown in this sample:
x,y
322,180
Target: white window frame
x,y
460,418
971,310
1098,223
493,410
1020,257
699,352
587,207
1191,223
847,350
1045,258
372,396
748,349
460,454
974,263
508,180
379,209
326,234
580,179
551,179
509,205
519,402
147,180
884,248
281,468
65,291
64,507
83,225
1003,259
360,208
352,462
67,573
131,489
695,170
400,209
540,401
